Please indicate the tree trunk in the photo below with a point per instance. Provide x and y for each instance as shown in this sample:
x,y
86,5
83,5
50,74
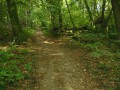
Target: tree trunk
x,y
116,12
70,14
95,8
14,19
56,16
88,9
103,16
60,17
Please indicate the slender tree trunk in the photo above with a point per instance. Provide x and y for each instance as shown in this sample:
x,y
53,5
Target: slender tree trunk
x,y
103,16
109,15
43,23
56,16
60,17
106,21
70,15
14,19
1,16
54,24
116,12
81,6
96,13
95,7
88,9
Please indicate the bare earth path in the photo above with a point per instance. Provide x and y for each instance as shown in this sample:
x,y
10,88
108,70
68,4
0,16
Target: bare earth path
x,y
58,68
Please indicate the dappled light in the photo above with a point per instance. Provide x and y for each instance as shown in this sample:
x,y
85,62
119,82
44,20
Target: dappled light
x,y
4,48
59,44
56,54
48,42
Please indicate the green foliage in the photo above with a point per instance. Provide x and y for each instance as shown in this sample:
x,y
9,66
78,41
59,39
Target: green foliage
x,y
3,32
101,53
105,53
95,54
27,33
88,37
11,69
28,66
50,33
24,51
47,33
96,43
117,55
73,44
103,66
48,15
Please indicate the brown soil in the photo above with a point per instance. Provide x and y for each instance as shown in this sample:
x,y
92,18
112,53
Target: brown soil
x,y
60,68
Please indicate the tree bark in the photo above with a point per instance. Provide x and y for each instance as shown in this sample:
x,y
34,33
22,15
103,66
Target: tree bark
x,y
60,17
14,19
88,9
103,16
70,14
116,12
56,16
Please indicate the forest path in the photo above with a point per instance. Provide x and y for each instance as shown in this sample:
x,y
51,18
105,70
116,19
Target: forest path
x,y
59,68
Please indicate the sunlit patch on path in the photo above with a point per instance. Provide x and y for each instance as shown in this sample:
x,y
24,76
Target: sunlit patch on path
x,y
58,68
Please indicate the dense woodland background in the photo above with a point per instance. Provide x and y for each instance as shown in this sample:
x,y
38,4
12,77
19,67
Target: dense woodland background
x,y
94,24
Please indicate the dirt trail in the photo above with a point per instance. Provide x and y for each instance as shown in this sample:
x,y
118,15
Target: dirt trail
x,y
58,68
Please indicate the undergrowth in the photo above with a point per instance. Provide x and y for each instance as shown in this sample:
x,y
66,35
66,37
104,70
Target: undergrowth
x,y
103,57
6,36
14,66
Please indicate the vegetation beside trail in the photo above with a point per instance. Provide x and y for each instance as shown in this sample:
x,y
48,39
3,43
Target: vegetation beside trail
x,y
15,67
102,58
90,25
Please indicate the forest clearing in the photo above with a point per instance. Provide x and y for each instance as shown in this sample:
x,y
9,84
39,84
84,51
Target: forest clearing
x,y
59,45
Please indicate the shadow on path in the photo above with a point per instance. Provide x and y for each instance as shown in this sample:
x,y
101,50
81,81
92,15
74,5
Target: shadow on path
x,y
58,68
